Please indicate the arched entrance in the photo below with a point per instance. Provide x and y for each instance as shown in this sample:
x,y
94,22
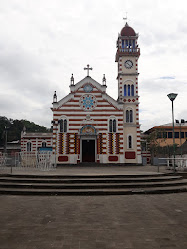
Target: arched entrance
x,y
88,140
88,150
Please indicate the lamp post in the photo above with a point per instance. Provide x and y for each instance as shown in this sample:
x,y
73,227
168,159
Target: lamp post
x,y
5,147
172,97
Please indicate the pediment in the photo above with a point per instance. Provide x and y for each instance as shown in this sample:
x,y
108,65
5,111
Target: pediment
x,y
83,87
88,81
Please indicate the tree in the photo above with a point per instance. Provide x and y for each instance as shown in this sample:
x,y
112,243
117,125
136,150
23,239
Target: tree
x,y
14,128
154,139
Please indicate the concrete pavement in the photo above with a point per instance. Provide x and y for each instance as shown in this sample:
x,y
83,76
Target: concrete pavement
x,y
94,222
102,222
90,170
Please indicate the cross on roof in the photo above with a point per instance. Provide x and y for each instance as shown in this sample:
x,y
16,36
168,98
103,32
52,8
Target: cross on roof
x,y
88,68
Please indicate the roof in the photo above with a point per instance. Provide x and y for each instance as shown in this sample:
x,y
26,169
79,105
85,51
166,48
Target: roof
x,y
167,126
127,31
14,142
175,124
37,134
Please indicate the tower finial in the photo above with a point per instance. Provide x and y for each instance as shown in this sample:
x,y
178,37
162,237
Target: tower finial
x,y
55,97
104,80
72,80
125,18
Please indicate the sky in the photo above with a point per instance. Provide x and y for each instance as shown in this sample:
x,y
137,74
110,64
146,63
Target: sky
x,y
42,42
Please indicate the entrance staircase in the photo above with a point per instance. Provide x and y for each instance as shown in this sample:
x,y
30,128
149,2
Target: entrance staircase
x,y
77,185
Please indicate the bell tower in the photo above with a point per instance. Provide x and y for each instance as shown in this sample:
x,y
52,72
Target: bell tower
x,y
127,56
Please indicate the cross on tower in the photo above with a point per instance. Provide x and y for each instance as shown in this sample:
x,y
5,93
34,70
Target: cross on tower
x,y
125,18
88,68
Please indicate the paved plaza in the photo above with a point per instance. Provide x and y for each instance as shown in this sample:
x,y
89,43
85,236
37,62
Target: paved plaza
x,y
90,222
93,222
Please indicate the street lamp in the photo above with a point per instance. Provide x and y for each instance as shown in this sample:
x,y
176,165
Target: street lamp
x,y
5,147
172,97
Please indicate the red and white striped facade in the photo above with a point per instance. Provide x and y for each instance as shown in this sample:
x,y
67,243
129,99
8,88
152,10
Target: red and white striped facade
x,y
88,108
90,126
109,147
32,142
128,52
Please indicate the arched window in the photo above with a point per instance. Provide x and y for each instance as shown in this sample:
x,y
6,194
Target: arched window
x,y
128,90
63,125
44,144
125,90
132,90
112,125
29,147
129,142
129,116
126,45
133,43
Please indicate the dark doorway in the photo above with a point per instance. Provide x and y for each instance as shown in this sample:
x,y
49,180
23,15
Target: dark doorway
x,y
88,150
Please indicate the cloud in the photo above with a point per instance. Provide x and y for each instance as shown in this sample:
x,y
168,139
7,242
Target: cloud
x,y
154,103
43,43
167,78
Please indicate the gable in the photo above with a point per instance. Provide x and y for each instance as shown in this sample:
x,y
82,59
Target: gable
x,y
88,95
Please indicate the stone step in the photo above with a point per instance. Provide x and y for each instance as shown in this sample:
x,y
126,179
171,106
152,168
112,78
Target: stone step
x,y
89,192
91,184
49,180
83,185
82,176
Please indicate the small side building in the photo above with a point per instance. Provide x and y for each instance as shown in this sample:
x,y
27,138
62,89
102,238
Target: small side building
x,y
33,142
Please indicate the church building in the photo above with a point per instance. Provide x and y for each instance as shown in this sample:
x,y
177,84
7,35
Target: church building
x,y
89,125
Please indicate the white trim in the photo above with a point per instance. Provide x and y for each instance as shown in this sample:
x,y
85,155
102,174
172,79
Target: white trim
x,y
88,113
129,80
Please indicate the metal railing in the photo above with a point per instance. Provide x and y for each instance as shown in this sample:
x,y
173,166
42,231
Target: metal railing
x,y
3,159
180,163
41,160
129,50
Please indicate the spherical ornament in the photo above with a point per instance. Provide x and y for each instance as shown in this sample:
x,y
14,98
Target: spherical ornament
x,y
88,88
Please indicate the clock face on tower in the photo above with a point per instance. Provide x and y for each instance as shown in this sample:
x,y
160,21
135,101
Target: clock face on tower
x,y
128,64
